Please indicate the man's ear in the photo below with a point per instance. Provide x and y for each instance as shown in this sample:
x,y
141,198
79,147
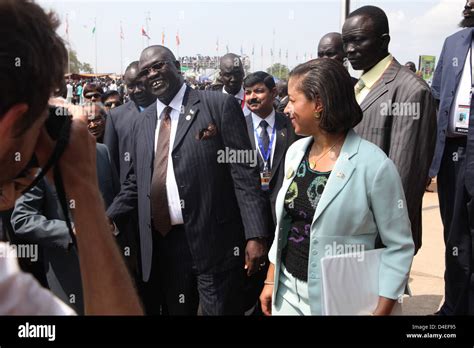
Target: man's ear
x,y
10,120
386,41
274,92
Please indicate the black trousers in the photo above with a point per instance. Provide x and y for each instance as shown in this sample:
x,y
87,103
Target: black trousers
x,y
453,156
459,279
177,288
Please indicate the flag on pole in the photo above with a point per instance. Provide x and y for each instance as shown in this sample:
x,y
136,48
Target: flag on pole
x,y
217,45
253,50
241,50
122,37
279,54
227,48
287,53
261,52
271,52
163,37
144,33
93,30
67,24
178,41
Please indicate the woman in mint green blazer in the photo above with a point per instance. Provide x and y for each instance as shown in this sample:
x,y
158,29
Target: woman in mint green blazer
x,y
339,191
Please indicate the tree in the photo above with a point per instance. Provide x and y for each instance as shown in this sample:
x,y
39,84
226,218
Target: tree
x,y
280,71
76,66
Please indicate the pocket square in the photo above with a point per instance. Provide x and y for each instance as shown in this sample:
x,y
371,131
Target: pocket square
x,y
207,133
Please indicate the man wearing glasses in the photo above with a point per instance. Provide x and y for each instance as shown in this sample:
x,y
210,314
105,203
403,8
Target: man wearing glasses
x,y
199,213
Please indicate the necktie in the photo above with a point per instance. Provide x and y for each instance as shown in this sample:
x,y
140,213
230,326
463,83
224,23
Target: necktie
x,y
265,141
358,88
159,199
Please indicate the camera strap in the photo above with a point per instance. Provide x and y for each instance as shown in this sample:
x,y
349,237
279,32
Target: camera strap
x,y
59,149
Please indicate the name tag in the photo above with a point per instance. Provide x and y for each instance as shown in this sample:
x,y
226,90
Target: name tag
x,y
461,121
265,179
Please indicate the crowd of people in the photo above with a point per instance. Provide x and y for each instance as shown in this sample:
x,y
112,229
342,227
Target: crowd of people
x,y
222,198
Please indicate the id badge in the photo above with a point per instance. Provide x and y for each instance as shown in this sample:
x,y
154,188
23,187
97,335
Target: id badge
x,y
461,122
265,179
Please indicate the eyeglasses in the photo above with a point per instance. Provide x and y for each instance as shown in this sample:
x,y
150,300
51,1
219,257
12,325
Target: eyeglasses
x,y
90,96
112,104
154,68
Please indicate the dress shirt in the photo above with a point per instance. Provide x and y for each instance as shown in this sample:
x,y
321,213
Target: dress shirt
x,y
372,76
174,202
271,124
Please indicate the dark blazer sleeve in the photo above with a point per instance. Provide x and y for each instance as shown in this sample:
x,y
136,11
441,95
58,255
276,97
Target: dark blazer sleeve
x,y
30,224
436,84
127,199
111,141
413,142
246,179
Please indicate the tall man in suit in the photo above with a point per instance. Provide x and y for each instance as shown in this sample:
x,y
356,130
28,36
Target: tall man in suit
x,y
452,163
399,110
195,187
39,219
232,75
271,133
118,139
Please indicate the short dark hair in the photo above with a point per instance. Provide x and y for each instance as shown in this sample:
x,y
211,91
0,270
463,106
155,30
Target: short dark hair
x,y
376,15
109,94
329,81
32,58
89,87
259,77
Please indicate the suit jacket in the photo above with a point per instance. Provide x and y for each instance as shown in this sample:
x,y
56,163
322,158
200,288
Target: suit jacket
x,y
408,137
362,174
38,218
117,136
446,78
222,202
284,137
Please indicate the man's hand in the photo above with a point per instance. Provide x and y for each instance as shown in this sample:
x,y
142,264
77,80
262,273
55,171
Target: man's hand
x,y
266,299
255,255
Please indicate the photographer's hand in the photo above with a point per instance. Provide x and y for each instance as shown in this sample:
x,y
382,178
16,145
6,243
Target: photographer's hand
x,y
108,287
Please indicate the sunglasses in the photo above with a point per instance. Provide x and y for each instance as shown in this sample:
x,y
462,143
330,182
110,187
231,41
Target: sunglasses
x,y
90,96
112,104
154,68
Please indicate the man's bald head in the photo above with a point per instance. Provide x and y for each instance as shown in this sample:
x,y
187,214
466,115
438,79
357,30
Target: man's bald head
x,y
330,46
232,73
131,72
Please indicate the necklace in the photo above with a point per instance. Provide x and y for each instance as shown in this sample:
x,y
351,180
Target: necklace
x,y
312,165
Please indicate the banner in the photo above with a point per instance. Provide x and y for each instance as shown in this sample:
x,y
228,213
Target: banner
x,y
427,66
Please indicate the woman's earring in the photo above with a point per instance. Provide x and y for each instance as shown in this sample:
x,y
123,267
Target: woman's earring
x,y
317,115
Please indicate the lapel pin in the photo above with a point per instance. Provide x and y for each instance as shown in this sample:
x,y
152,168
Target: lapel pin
x,y
191,112
290,173
188,117
282,134
340,175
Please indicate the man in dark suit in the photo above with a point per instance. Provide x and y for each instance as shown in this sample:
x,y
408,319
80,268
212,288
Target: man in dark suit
x,y
120,120
232,75
399,110
194,182
39,219
271,133
452,164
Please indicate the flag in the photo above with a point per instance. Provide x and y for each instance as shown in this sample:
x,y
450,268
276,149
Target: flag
x,y
261,51
121,32
163,37
253,50
241,50
286,53
279,54
178,41
67,24
144,33
217,45
271,52
93,30
227,48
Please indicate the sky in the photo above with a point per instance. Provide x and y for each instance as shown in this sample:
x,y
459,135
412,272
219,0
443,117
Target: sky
x,y
417,27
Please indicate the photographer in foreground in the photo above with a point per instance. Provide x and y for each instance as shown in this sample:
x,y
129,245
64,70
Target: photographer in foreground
x,y
32,64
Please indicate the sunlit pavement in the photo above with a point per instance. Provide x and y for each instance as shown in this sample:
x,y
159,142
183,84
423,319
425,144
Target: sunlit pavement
x,y
426,279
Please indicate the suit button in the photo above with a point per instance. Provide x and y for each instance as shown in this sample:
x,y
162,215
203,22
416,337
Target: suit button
x,y
148,195
446,112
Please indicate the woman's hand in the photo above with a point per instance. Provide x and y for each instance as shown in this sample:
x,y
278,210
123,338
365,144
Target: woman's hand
x,y
384,306
267,291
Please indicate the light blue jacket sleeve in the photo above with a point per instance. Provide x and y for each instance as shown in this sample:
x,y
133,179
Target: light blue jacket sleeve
x,y
391,216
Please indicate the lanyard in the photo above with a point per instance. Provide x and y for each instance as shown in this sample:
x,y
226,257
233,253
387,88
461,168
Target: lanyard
x,y
242,103
265,155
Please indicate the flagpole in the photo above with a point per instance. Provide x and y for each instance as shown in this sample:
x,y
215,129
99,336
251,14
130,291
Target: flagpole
x,y
121,48
147,18
68,45
95,39
253,58
273,49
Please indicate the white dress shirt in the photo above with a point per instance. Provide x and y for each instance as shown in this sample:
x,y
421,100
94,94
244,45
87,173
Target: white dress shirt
x,y
21,294
241,99
174,202
271,124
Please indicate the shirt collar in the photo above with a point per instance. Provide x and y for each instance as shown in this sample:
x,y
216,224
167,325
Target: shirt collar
x,y
239,95
257,119
175,104
374,74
